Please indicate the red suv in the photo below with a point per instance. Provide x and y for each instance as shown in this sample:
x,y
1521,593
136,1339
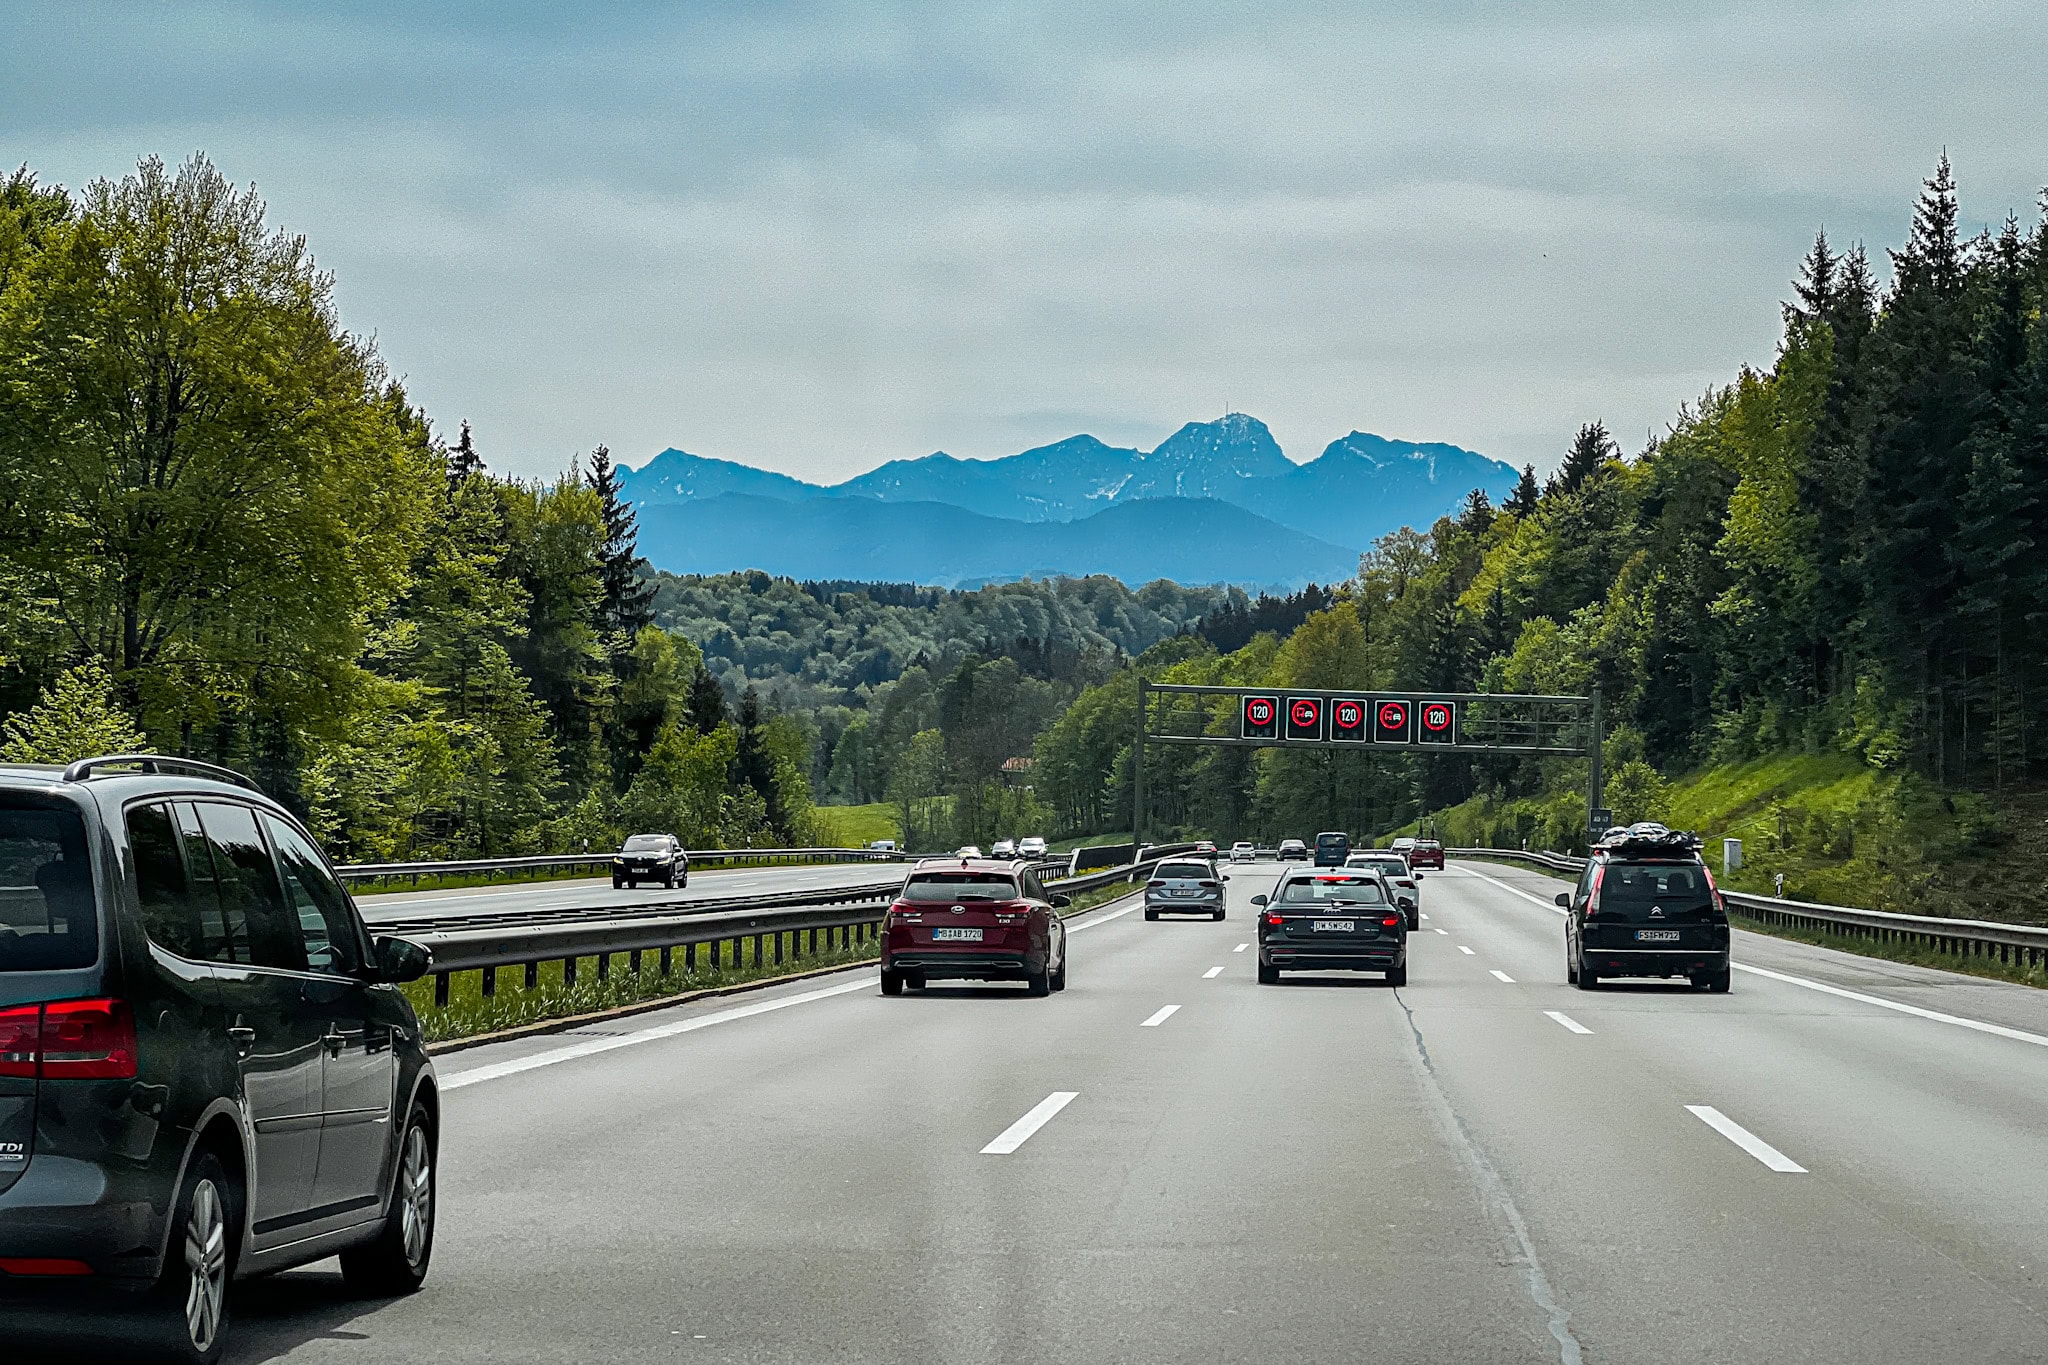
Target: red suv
x,y
1426,853
974,919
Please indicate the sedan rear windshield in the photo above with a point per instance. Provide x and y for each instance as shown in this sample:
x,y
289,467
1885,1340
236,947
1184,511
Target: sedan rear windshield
x,y
646,843
1354,890
1183,871
48,919
960,886
1639,887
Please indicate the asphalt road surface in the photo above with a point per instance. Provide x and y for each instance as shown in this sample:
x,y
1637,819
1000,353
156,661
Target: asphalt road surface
x,y
596,892
1842,1160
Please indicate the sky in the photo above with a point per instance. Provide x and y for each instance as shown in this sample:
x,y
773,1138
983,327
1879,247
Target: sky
x,y
814,237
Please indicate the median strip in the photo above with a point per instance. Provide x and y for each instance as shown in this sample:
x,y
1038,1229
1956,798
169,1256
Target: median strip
x,y
1743,1138
1018,1133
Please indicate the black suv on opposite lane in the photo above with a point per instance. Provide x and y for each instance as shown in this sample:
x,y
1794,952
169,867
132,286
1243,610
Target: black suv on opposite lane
x,y
651,858
1646,906
207,1070
1338,920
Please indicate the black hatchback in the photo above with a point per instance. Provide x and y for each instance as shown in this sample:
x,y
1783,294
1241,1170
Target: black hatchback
x,y
1646,906
207,1070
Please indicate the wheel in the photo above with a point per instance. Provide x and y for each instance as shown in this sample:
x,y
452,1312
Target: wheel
x,y
914,980
1268,975
1719,982
1587,979
671,882
1571,970
632,884
1150,913
396,1263
1059,978
188,1309
892,982
1398,976
684,880
1217,916
1414,921
616,883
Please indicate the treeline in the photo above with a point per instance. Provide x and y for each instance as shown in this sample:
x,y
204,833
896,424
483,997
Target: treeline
x,y
226,532
1842,552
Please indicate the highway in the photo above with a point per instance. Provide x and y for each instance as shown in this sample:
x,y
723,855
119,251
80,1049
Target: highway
x,y
596,892
1843,1160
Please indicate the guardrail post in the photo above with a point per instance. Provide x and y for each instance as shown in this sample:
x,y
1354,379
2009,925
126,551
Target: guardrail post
x,y
441,990
604,966
533,976
757,950
490,982
633,962
689,957
568,971
667,960
713,945
778,949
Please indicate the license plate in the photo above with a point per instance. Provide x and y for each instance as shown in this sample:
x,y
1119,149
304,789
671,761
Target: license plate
x,y
1656,936
1335,926
956,935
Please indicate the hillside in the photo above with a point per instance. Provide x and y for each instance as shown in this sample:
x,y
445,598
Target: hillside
x,y
1187,540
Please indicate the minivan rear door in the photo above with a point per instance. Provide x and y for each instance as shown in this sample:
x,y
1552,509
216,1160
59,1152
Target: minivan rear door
x,y
1653,906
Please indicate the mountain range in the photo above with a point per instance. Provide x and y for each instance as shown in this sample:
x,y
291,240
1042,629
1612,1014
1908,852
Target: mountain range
x,y
1215,502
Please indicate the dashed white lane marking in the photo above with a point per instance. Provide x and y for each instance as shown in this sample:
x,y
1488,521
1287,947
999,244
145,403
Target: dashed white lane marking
x,y
1743,1138
1018,1133
1425,914
1977,1025
1445,932
1463,949
1165,1013
1240,947
1213,971
1503,976
1574,1025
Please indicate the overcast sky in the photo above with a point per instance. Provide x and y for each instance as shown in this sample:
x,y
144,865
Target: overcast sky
x,y
816,237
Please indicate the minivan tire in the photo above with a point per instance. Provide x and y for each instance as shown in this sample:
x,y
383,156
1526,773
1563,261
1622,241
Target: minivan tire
x,y
396,1263
1588,979
188,1317
1718,982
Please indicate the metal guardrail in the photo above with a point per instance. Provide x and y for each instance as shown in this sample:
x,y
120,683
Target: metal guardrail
x,y
550,862
2015,945
780,928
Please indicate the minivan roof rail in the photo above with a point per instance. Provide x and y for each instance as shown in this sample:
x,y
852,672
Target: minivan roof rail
x,y
157,763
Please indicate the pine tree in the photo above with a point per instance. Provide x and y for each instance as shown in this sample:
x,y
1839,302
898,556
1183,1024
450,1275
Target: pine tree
x,y
1816,284
1590,452
707,702
1477,513
628,597
754,761
1522,502
463,461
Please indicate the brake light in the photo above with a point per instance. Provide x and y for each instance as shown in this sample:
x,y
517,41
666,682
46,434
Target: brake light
x,y
1210,886
19,1029
42,1265
70,1040
1275,917
1390,921
1154,882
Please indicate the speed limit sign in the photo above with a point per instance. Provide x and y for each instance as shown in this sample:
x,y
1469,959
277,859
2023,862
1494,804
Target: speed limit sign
x,y
1439,722
1261,718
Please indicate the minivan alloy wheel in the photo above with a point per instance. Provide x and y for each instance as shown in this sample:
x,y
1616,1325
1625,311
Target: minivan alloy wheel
x,y
206,1262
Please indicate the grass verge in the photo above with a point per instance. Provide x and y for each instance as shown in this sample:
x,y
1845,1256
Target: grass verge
x,y
857,826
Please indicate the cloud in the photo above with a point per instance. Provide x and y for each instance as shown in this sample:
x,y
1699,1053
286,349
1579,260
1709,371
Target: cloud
x,y
820,236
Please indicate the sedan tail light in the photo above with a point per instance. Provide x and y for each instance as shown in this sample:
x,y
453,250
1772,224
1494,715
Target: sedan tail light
x,y
1275,917
71,1040
1211,886
1391,920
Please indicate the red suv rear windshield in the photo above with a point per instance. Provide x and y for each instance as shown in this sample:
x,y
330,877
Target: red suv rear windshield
x,y
960,886
48,920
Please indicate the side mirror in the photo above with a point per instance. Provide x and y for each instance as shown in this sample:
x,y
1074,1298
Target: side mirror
x,y
1258,900
1418,876
1564,900
400,960
1060,902
1226,876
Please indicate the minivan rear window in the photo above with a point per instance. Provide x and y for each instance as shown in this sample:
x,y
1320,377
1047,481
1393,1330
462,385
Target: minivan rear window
x,y
960,886
1631,888
49,919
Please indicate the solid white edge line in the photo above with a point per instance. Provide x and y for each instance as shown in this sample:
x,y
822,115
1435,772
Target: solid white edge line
x,y
1503,976
1746,1140
1976,1025
1211,973
1997,1030
1574,1025
1015,1136
1165,1013
1466,951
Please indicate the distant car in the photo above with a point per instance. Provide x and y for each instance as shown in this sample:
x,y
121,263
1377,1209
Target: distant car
x,y
1031,846
968,851
1427,853
1293,850
1646,905
1406,884
974,919
1242,851
1002,848
883,846
1401,845
1205,848
1325,920
208,1071
1332,848
651,858
1184,887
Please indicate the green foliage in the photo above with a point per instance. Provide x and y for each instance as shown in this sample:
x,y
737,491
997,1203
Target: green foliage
x,y
79,717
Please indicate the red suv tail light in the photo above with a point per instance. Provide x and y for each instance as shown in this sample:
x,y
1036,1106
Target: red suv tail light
x,y
71,1040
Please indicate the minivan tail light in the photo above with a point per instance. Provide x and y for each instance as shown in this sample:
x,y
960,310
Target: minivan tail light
x,y
70,1040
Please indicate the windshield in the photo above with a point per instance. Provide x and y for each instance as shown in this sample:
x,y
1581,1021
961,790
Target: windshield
x,y
1351,890
48,919
960,886
647,843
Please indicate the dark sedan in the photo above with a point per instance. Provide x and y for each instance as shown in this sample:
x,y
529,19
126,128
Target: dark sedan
x,y
1338,920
